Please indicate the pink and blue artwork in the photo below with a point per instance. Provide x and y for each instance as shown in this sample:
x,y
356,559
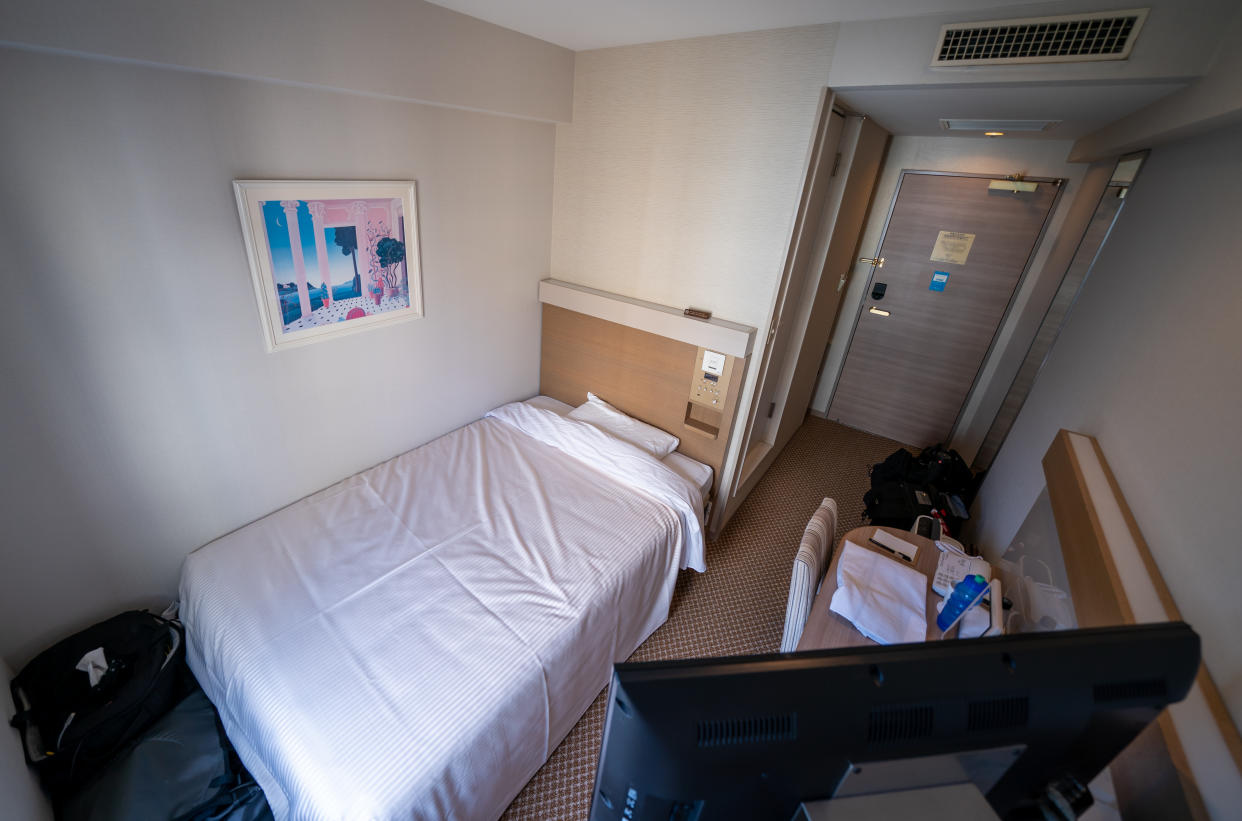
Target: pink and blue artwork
x,y
328,261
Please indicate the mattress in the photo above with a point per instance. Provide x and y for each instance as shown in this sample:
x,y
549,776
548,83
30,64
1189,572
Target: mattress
x,y
414,641
690,469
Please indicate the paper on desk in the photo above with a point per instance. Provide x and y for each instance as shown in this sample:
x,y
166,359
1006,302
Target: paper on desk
x,y
884,599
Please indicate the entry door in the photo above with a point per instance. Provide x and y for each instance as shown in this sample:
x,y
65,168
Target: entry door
x,y
954,251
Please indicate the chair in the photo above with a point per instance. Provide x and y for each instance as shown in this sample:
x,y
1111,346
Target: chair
x,y
808,568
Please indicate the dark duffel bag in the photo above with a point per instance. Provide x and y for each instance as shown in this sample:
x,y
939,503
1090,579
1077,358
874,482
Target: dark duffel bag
x,y
182,768
81,700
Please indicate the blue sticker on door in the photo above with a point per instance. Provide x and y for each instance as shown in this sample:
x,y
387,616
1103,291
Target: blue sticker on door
x,y
939,279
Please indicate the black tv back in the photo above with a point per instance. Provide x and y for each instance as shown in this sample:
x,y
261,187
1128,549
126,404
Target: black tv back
x,y
754,736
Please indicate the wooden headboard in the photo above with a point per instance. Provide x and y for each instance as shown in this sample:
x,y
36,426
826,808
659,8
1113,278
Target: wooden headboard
x,y
1189,763
644,363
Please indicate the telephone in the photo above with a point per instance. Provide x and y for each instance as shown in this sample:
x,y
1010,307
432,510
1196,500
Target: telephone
x,y
952,567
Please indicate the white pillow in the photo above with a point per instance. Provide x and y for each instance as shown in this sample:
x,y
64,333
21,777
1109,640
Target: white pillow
x,y
604,416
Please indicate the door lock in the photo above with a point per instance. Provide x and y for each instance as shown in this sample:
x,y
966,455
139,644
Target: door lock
x,y
878,289
875,262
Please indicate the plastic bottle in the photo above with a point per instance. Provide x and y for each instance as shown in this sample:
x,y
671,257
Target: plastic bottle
x,y
967,592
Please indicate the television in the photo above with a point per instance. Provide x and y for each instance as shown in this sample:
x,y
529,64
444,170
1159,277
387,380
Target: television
x,y
1026,720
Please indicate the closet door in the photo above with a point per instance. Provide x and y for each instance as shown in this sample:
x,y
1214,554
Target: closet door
x,y
832,209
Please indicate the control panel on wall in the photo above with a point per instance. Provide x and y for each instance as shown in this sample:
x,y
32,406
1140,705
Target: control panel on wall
x,y
711,380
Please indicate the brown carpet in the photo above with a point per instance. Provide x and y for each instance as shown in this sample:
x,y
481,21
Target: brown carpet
x,y
738,605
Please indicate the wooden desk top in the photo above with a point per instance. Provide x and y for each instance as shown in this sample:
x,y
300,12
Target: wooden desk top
x,y
825,629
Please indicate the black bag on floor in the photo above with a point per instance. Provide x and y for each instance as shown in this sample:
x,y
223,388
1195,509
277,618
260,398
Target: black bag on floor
x,y
895,504
183,767
945,470
895,468
81,700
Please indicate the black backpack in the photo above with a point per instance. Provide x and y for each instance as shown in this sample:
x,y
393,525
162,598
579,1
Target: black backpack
x,y
182,768
895,504
70,727
944,469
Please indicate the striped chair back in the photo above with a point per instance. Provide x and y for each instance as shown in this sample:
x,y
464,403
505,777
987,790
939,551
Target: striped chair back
x,y
808,568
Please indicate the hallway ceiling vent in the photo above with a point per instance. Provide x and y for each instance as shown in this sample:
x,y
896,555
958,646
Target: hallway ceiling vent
x,y
1065,38
962,124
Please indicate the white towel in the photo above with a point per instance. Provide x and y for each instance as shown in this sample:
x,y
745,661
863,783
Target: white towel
x,y
885,599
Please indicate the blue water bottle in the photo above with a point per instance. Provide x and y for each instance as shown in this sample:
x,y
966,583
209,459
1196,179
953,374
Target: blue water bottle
x,y
968,591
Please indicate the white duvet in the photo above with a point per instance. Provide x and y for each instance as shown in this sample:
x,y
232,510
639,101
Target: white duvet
x,y
414,641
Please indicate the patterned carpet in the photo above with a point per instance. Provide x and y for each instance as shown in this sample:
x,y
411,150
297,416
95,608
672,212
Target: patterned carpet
x,y
738,605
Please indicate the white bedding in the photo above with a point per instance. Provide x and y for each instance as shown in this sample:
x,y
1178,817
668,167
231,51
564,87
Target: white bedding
x,y
414,641
691,469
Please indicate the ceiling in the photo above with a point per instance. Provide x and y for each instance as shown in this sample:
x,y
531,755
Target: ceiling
x,y
883,87
589,24
1082,108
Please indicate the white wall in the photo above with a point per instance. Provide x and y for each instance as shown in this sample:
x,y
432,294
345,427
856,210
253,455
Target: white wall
x,y
969,155
400,49
142,416
1150,363
678,179
1212,101
19,787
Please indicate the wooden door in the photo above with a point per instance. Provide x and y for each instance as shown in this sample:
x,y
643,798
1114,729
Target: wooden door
x,y
954,251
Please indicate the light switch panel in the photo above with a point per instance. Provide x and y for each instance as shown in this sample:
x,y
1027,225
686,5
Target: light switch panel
x,y
710,382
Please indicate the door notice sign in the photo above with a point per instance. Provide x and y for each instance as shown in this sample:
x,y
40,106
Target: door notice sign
x,y
952,247
939,280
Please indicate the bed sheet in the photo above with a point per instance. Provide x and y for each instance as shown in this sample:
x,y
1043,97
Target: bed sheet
x,y
414,641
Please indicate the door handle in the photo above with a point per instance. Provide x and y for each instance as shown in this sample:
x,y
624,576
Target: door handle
x,y
875,262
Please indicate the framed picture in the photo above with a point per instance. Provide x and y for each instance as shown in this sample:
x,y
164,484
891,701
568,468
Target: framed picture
x,y
330,257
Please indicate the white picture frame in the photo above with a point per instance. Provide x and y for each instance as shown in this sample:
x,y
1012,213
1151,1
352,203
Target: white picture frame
x,y
330,257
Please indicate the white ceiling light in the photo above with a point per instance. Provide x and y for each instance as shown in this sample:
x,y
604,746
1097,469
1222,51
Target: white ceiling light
x,y
960,124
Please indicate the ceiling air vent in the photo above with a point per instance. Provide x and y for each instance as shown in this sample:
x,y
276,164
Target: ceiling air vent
x,y
959,124
1065,38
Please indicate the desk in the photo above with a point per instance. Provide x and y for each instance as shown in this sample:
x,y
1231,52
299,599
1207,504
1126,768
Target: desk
x,y
826,629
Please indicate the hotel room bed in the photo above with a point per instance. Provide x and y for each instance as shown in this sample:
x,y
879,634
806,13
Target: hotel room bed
x,y
414,641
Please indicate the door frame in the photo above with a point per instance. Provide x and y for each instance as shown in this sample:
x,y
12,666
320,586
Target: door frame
x,y
848,183
1057,182
818,182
